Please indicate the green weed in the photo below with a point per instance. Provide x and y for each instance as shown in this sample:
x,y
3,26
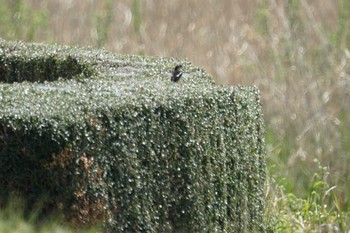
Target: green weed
x,y
318,212
14,219
20,21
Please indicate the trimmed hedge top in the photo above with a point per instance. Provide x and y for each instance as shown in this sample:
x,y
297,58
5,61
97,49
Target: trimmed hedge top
x,y
111,137
41,81
42,62
87,80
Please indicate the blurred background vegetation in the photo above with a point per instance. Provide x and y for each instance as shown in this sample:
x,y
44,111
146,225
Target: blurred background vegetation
x,y
295,51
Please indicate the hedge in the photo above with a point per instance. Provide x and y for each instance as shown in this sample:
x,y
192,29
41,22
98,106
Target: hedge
x,y
109,138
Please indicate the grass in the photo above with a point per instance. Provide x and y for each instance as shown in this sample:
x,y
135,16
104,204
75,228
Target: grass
x,y
320,211
13,219
295,51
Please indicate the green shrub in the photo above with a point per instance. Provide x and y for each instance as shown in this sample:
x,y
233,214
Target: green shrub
x,y
110,138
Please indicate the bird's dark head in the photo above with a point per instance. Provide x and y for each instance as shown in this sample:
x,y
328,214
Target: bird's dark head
x,y
178,67
176,75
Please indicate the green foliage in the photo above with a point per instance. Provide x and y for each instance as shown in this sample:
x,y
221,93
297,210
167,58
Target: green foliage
x,y
129,147
103,23
37,64
342,36
263,17
136,13
292,25
13,219
288,213
19,21
294,19
344,129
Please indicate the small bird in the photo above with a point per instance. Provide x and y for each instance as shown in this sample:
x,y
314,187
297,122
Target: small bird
x,y
176,75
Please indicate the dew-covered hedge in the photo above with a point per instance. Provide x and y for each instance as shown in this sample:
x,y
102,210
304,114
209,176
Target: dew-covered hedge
x,y
106,137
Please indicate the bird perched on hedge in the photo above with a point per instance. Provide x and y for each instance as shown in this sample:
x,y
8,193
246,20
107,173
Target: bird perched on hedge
x,y
176,75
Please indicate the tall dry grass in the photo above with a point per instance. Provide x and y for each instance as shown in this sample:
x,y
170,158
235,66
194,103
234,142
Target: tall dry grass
x,y
295,51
